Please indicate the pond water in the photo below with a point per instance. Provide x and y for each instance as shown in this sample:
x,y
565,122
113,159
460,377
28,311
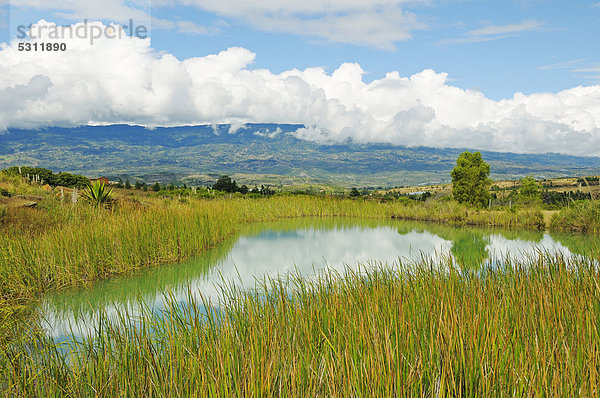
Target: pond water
x,y
301,246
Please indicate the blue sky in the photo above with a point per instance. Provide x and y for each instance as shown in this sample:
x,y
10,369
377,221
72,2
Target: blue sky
x,y
553,44
509,75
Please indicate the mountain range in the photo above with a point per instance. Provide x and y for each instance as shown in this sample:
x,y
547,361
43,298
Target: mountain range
x,y
256,154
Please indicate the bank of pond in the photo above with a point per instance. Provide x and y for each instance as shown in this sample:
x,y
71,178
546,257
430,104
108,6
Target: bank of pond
x,y
338,306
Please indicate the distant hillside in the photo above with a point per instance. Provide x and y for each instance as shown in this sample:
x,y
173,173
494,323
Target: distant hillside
x,y
258,153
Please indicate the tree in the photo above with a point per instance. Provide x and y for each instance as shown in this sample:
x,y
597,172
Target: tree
x,y
530,189
266,191
354,193
225,184
127,184
156,187
470,180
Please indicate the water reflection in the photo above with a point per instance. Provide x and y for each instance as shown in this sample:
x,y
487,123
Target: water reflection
x,y
304,246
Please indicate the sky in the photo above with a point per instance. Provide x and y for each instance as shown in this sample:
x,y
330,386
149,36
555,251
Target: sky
x,y
507,75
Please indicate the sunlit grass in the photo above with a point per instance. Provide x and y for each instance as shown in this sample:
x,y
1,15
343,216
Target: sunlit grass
x,y
579,217
78,244
527,328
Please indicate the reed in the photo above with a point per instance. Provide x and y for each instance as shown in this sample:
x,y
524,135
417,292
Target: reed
x,y
63,245
578,217
528,328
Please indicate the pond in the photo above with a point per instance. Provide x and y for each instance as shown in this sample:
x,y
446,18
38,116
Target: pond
x,y
301,246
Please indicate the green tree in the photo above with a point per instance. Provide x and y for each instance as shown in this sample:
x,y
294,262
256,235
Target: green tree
x,y
470,180
156,187
225,184
354,193
127,184
266,191
530,189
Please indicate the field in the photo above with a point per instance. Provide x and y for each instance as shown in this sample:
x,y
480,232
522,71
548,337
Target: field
x,y
528,328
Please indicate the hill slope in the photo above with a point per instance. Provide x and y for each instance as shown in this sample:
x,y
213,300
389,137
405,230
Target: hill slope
x,y
258,153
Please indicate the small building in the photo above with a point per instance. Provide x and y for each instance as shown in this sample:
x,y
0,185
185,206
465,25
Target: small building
x,y
102,180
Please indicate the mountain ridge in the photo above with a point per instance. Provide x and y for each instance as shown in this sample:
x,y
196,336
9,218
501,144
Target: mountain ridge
x,y
257,153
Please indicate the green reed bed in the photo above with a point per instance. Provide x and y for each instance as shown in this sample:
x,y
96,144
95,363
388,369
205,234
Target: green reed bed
x,y
80,244
578,217
526,329
455,213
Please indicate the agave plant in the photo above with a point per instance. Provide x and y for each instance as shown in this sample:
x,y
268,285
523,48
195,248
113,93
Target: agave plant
x,y
97,193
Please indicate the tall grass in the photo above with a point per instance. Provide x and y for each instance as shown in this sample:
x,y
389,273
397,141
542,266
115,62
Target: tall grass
x,y
579,217
455,213
79,244
524,329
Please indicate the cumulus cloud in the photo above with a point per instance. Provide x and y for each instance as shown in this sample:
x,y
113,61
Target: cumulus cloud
x,y
269,134
125,81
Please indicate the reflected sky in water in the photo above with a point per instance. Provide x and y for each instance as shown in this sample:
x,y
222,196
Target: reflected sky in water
x,y
306,247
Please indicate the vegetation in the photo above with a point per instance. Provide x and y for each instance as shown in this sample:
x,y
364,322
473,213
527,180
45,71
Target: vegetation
x,y
589,180
563,199
581,216
225,184
45,176
522,329
97,193
82,245
530,188
171,153
470,182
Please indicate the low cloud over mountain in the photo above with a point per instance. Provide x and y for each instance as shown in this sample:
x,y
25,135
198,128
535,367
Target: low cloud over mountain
x,y
125,81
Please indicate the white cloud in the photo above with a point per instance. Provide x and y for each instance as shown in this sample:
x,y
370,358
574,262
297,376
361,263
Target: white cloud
x,y
376,23
494,32
593,69
190,28
269,133
235,127
562,65
124,81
